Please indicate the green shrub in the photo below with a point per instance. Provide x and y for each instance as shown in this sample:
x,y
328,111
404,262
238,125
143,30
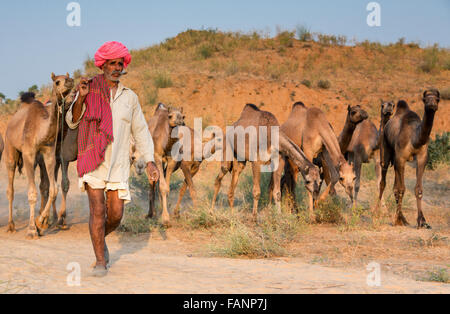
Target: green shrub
x,y
304,33
134,221
439,150
307,83
162,80
286,39
205,51
329,211
324,84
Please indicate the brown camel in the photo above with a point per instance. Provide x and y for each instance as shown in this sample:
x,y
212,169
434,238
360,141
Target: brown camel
x,y
405,138
355,115
69,153
161,125
252,116
191,167
310,130
31,131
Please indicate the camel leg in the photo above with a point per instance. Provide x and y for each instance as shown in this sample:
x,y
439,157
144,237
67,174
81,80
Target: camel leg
x,y
333,173
11,159
276,181
151,200
28,162
45,184
399,191
238,166
50,162
327,175
164,190
190,183
256,170
421,164
193,171
385,161
65,185
224,169
357,168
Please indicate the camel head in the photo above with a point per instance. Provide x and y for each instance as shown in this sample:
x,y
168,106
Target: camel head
x,y
137,161
431,99
347,178
176,117
356,114
312,180
387,108
62,85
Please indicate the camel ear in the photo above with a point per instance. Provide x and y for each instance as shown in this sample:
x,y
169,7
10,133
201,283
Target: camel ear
x,y
53,77
349,108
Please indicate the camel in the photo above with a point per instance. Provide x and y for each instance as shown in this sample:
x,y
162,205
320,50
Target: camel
x,y
405,138
309,129
355,115
66,152
252,116
189,167
32,131
161,125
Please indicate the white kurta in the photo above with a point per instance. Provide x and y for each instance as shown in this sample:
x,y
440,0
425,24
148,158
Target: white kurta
x,y
128,121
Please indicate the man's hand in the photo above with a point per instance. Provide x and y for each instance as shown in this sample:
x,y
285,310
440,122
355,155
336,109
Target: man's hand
x,y
152,172
83,87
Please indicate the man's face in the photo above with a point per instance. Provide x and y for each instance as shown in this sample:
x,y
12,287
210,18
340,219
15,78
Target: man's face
x,y
113,69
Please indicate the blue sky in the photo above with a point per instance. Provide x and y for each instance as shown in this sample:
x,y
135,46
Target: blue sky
x,y
35,39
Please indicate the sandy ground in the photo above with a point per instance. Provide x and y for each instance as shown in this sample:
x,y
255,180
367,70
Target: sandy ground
x,y
167,263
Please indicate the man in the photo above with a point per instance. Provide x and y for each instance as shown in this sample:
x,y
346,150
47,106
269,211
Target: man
x,y
108,114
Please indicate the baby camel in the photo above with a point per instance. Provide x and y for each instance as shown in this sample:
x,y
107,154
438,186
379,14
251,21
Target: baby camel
x,y
32,130
405,138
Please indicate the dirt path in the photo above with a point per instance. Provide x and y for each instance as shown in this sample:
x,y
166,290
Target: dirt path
x,y
166,264
152,265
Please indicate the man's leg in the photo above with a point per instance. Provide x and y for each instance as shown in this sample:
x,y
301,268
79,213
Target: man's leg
x,y
114,214
97,221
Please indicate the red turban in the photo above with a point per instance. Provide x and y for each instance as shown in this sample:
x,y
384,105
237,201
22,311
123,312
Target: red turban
x,y
112,50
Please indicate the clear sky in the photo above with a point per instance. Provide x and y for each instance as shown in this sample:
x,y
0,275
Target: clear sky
x,y
35,39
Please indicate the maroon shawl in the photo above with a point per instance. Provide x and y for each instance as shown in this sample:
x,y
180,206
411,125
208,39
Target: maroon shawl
x,y
95,132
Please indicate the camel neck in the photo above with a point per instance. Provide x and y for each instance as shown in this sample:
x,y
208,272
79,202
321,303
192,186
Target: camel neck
x,y
424,129
346,135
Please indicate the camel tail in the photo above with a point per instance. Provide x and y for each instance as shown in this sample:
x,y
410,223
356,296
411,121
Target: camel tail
x,y
28,98
20,163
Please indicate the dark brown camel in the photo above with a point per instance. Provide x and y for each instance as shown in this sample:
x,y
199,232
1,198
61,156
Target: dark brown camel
x,y
254,117
32,131
309,129
405,139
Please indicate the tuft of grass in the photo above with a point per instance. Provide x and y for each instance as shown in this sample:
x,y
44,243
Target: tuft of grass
x,y
202,218
438,275
134,221
329,211
435,60
368,172
304,33
162,80
307,83
205,52
439,150
264,240
324,84
286,39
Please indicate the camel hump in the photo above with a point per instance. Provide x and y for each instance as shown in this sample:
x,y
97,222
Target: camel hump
x,y
402,105
252,106
298,103
28,98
